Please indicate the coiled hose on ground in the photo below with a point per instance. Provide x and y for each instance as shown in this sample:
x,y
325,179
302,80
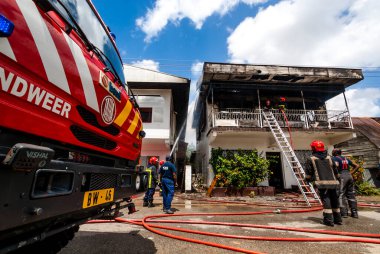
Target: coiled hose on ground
x,y
150,223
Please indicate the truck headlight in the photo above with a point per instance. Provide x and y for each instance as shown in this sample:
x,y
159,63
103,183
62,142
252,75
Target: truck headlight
x,y
28,157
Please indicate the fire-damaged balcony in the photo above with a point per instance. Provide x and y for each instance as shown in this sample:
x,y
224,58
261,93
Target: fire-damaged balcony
x,y
293,118
233,97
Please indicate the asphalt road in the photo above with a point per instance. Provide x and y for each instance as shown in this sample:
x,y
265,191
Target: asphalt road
x,y
125,238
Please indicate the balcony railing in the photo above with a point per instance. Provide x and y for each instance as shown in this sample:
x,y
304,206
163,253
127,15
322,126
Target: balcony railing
x,y
294,118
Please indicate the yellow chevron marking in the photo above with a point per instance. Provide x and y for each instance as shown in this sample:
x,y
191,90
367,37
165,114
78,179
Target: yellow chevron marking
x,y
133,125
120,119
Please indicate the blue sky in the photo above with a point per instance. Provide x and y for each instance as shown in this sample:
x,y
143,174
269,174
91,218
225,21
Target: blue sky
x,y
177,36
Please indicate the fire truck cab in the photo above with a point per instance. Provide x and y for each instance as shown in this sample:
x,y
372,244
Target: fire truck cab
x,y
70,129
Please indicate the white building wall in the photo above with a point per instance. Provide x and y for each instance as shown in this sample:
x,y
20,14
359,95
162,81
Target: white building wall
x,y
203,156
158,133
161,116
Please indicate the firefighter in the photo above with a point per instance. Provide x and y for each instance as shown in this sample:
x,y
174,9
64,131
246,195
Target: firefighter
x,y
346,189
268,105
159,183
168,180
282,104
321,169
281,108
152,181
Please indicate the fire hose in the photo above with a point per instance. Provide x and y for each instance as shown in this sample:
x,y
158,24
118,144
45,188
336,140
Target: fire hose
x,y
149,222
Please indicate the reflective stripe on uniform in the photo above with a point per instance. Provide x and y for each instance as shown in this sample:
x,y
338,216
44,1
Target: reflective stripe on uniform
x,y
149,177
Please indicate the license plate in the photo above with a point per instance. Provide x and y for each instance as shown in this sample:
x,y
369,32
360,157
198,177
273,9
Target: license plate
x,y
97,197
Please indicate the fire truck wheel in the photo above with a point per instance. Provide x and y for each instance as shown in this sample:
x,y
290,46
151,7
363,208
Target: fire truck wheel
x,y
144,182
138,182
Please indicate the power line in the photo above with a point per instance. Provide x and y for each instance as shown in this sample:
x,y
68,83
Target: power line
x,y
375,68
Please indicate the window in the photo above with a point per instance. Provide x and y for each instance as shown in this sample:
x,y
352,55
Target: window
x,y
154,106
146,115
92,27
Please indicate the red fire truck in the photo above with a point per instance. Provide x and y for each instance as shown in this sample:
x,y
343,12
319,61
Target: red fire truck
x,y
70,129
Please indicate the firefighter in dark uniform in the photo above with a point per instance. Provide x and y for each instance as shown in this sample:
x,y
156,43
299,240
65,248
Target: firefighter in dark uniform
x,y
347,189
321,169
168,180
282,105
152,181
159,183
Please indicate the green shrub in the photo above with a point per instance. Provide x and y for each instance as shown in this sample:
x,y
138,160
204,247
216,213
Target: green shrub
x,y
366,189
240,168
362,187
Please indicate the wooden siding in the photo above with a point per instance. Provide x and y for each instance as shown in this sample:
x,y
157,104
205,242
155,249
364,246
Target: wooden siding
x,y
369,128
361,146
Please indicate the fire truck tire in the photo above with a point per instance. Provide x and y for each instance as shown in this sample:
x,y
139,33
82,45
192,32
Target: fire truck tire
x,y
144,182
52,244
138,183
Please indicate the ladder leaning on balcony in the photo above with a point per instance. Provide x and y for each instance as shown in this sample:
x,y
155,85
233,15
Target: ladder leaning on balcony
x,y
306,189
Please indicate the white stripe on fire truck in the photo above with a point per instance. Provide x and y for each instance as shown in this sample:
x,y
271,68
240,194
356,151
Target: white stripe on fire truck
x,y
6,48
84,73
45,44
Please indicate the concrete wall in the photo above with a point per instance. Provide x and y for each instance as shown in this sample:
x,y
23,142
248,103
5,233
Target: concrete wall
x,y
160,102
160,150
158,132
202,159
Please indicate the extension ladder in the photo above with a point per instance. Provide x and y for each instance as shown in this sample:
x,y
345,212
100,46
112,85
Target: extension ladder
x,y
307,189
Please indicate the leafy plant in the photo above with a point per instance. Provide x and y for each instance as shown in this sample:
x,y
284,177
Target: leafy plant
x,y
366,189
358,174
240,168
362,187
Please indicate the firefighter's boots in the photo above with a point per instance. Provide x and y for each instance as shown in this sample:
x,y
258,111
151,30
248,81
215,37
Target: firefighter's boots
x,y
328,219
337,218
354,213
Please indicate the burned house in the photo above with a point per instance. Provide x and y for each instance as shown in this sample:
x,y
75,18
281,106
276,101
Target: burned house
x,y
365,146
232,112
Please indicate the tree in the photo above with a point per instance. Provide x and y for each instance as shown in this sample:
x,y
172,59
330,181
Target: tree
x,y
240,168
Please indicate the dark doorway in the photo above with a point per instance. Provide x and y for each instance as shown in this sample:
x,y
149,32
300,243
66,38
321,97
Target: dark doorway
x,y
275,179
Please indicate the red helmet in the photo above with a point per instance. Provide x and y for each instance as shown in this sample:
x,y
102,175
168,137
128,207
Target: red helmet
x,y
153,160
282,99
162,162
317,146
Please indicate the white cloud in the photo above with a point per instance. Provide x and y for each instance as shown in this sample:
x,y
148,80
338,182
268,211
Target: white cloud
x,y
147,64
361,102
253,2
173,11
311,32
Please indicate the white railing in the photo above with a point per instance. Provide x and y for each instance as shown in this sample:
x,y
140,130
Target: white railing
x,y
295,118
